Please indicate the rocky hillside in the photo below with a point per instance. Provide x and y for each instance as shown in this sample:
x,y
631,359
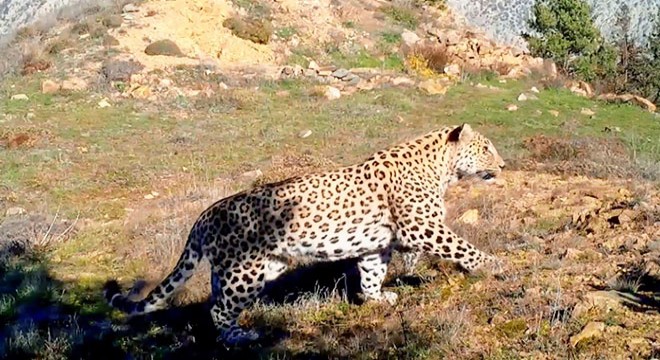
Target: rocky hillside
x,y
505,20
501,20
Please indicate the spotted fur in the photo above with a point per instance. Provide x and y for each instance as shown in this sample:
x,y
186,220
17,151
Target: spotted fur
x,y
393,200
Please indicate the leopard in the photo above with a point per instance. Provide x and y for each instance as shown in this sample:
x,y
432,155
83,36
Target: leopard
x,y
392,201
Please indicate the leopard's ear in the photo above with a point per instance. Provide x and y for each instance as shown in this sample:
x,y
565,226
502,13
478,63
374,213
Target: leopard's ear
x,y
463,134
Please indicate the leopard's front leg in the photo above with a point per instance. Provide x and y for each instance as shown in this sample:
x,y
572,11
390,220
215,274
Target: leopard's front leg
x,y
424,234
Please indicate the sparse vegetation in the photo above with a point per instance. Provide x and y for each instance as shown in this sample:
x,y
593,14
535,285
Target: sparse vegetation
x,y
402,15
256,30
285,32
100,192
427,59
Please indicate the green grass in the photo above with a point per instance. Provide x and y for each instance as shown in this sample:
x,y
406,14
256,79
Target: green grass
x,y
363,59
390,37
403,16
286,32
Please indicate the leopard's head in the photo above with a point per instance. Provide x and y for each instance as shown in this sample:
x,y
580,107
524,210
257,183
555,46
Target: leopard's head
x,y
475,156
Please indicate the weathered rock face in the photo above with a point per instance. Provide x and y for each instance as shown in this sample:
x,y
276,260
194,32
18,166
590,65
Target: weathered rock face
x,y
504,20
17,13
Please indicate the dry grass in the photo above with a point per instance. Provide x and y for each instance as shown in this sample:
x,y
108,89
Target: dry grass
x,y
158,232
427,59
596,157
34,232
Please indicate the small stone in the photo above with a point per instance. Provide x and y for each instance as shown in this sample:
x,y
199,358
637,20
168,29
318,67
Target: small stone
x,y
340,73
104,104
130,8
109,40
572,254
223,86
325,72
365,85
522,97
469,217
164,47
502,81
74,84
639,345
352,79
49,87
534,90
587,112
305,134
252,175
538,112
15,211
512,107
593,329
20,97
402,81
612,129
481,86
313,65
554,113
141,92
149,197
452,70
164,83
309,73
332,93
409,38
112,21
432,87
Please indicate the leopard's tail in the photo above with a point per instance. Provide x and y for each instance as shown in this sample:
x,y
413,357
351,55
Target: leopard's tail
x,y
158,297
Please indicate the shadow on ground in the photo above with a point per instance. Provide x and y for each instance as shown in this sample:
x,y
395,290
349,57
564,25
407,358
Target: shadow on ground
x,y
47,318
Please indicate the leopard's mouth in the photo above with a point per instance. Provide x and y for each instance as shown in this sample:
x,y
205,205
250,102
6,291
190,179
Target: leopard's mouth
x,y
484,175
487,176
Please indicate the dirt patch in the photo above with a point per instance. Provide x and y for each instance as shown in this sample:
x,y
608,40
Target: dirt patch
x,y
196,27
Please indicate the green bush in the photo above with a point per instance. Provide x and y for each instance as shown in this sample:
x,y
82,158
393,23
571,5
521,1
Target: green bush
x,y
640,68
566,34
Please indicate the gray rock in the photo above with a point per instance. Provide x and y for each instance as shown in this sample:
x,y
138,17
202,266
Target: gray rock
x,y
352,79
340,73
129,8
163,47
409,38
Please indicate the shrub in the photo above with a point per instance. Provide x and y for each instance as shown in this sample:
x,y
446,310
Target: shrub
x,y
639,67
566,34
427,59
256,30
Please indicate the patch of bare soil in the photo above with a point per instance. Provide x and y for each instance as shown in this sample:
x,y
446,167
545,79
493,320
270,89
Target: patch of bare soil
x,y
195,26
